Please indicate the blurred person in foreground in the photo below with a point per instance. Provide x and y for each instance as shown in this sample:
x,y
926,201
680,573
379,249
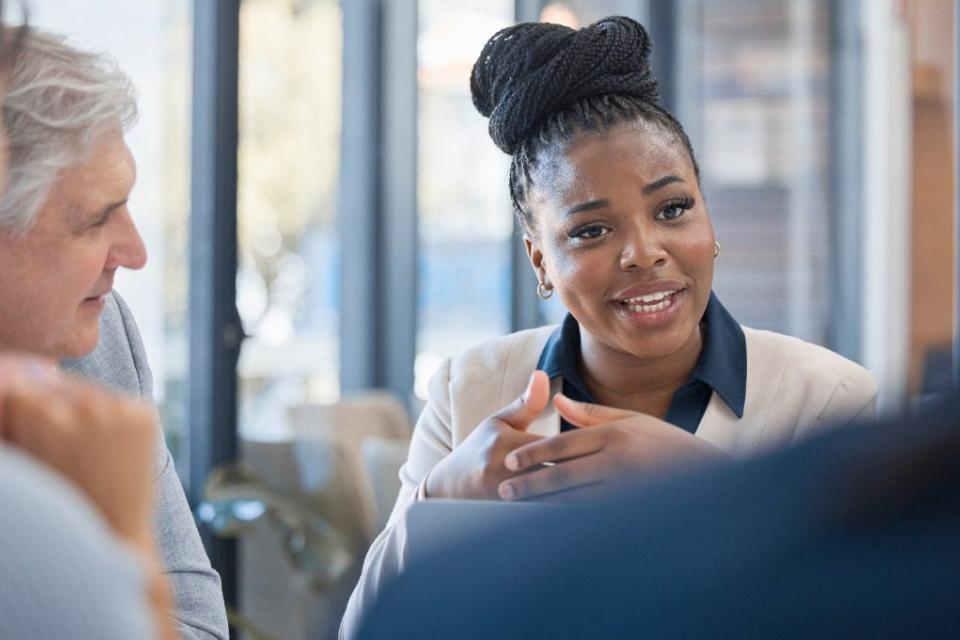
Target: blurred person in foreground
x,y
606,186
78,553
65,230
851,534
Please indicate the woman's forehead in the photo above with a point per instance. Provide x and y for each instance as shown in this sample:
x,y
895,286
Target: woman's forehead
x,y
644,145
636,153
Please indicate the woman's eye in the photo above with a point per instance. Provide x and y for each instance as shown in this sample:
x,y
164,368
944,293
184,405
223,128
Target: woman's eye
x,y
589,232
672,213
675,210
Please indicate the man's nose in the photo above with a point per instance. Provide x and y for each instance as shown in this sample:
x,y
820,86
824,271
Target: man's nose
x,y
128,250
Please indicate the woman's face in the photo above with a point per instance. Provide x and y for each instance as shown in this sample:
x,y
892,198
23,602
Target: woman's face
x,y
621,232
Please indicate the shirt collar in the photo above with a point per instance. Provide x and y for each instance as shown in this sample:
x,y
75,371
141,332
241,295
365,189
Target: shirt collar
x,y
723,360
722,364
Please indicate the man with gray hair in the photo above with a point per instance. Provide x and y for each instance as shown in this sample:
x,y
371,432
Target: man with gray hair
x,y
65,229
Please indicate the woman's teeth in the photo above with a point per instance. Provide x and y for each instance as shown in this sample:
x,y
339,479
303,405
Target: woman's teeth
x,y
650,303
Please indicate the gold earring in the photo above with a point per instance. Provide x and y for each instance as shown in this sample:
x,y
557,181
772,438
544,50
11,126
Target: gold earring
x,y
716,249
544,292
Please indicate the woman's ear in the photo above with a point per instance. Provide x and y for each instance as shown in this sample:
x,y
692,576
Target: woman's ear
x,y
535,255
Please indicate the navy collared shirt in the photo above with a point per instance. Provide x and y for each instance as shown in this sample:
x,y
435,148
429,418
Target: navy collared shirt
x,y
721,368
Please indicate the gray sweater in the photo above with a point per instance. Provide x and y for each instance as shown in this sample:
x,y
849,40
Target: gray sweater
x,y
120,362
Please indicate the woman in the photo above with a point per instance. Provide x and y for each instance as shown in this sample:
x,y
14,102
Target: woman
x,y
606,185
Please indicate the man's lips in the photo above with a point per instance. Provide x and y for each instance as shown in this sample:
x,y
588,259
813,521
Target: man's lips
x,y
96,298
103,293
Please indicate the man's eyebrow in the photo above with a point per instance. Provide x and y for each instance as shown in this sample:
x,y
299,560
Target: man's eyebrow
x,y
110,208
660,183
587,206
82,221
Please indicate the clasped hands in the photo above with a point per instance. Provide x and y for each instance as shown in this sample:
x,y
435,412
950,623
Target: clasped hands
x,y
500,459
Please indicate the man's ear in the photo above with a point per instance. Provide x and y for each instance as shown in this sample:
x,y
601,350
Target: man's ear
x,y
535,255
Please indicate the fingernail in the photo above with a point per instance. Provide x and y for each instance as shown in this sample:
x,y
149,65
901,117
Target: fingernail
x,y
526,392
511,462
506,492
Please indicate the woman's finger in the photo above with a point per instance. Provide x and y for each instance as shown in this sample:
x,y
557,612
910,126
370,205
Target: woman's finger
x,y
560,477
585,414
564,446
525,409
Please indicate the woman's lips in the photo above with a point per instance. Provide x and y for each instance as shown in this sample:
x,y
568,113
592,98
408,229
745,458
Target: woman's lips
x,y
650,302
652,309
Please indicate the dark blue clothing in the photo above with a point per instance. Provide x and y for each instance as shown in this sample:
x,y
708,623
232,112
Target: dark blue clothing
x,y
851,534
721,368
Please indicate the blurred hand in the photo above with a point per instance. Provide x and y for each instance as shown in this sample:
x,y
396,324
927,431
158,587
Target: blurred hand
x,y
475,468
101,442
609,444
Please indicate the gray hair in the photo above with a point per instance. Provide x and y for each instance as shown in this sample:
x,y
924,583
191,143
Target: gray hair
x,y
59,101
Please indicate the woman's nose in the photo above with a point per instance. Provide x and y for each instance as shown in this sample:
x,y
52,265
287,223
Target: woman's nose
x,y
642,252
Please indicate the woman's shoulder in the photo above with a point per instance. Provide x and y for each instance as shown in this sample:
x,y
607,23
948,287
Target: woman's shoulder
x,y
520,349
796,358
482,379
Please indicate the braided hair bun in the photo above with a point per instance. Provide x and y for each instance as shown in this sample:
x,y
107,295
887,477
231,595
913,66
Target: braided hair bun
x,y
529,71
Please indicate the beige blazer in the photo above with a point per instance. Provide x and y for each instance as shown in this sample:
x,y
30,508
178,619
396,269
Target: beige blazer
x,y
794,388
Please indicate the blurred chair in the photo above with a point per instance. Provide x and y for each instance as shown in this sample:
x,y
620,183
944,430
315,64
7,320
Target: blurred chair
x,y
305,510
382,459
376,419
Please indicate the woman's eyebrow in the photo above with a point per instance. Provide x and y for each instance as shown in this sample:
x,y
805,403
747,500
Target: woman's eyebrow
x,y
587,206
660,183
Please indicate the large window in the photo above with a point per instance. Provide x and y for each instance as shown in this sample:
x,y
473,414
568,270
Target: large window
x,y
757,105
288,282
465,218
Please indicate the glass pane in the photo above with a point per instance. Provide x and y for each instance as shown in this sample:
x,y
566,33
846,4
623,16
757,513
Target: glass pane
x,y
152,42
288,280
465,221
762,83
579,13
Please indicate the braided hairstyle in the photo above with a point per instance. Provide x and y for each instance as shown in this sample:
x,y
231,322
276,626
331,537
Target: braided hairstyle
x,y
544,84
